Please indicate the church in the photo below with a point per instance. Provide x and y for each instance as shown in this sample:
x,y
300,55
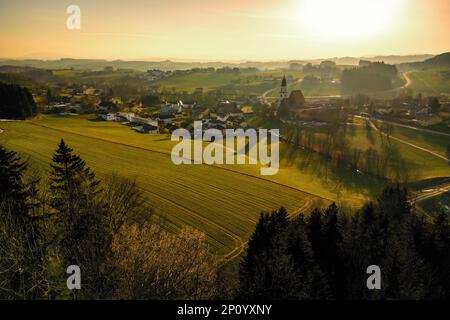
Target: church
x,y
288,105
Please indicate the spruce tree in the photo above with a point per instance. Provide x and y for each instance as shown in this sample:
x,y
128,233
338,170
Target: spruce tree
x,y
22,247
83,235
11,171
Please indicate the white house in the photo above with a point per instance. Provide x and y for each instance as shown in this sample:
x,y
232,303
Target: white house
x,y
127,115
109,117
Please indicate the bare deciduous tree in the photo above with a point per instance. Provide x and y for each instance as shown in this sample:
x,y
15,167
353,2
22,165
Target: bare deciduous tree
x,y
154,264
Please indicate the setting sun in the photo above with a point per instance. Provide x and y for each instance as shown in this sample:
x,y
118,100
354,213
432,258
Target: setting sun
x,y
348,18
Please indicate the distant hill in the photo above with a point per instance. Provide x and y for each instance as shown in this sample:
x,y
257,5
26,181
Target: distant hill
x,y
98,64
391,59
439,61
442,60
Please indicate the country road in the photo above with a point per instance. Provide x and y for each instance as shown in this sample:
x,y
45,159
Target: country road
x,y
264,99
407,78
412,127
373,126
431,193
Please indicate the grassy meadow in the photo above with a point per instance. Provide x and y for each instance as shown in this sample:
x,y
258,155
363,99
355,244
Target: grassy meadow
x,y
430,82
224,201
224,204
249,82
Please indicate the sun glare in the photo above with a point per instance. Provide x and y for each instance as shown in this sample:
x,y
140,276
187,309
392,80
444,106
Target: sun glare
x,y
347,18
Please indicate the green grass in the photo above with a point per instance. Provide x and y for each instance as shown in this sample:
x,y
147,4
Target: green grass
x,y
290,174
225,204
430,82
248,82
421,165
223,201
437,143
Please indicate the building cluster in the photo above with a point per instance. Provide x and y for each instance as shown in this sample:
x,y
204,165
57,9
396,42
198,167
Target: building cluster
x,y
171,116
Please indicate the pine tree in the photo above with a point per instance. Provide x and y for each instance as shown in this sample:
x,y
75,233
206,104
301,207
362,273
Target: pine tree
x,y
83,235
22,249
310,280
266,269
70,171
11,171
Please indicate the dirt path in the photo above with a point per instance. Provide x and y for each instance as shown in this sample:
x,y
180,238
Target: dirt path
x,y
408,143
407,78
264,97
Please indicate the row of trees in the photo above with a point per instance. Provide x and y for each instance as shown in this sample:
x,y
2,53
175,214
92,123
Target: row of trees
x,y
333,144
369,77
72,218
325,255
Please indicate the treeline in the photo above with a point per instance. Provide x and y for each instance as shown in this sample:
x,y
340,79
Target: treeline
x,y
369,77
48,223
16,102
385,163
325,255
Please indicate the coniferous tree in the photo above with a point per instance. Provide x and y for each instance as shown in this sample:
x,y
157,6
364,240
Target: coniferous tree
x,y
327,254
83,235
11,171
22,242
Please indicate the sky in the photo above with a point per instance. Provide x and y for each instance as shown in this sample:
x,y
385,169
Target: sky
x,y
226,30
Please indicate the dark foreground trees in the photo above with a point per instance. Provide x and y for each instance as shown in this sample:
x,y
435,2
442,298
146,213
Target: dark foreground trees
x,y
70,218
326,254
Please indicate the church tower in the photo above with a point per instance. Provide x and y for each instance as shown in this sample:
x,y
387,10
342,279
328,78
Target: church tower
x,y
283,91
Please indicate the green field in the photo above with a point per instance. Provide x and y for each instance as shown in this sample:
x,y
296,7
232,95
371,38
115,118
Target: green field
x,y
338,184
430,82
437,143
223,201
420,164
249,82
224,204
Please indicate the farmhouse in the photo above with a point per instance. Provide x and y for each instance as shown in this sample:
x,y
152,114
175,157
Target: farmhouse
x,y
166,119
126,115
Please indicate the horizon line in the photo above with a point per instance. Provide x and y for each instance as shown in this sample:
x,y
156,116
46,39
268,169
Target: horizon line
x,y
197,60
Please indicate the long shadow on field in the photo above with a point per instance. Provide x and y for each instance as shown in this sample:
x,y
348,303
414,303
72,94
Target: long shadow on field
x,y
338,178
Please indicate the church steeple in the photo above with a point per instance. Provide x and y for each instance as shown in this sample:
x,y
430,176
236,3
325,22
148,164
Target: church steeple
x,y
283,91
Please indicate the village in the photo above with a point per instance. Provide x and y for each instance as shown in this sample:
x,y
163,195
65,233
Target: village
x,y
172,116
163,115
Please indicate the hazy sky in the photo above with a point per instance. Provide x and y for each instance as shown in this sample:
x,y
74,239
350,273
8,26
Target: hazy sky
x,y
224,29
